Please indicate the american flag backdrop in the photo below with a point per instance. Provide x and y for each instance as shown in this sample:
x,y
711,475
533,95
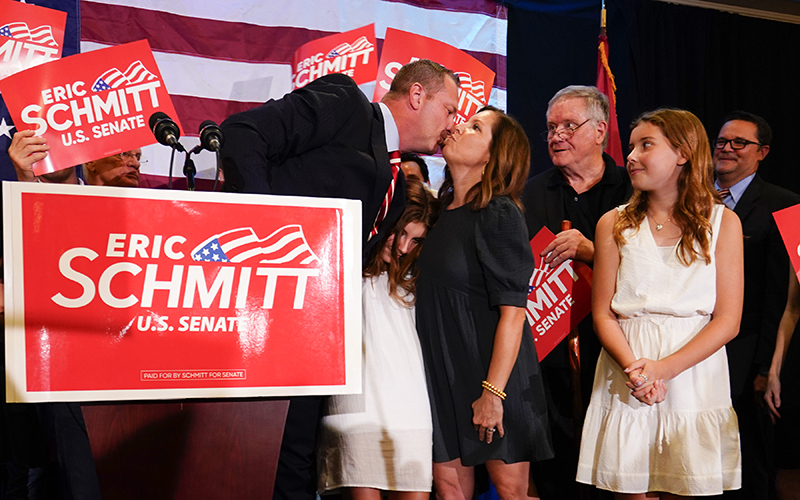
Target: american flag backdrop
x,y
219,58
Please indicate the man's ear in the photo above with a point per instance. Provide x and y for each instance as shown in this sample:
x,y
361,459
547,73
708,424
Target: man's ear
x,y
90,166
602,131
763,152
416,94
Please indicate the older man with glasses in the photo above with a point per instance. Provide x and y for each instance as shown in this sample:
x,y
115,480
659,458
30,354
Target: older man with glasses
x,y
583,184
741,145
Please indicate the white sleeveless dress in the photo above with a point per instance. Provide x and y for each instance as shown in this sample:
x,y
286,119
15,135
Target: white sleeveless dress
x,y
688,444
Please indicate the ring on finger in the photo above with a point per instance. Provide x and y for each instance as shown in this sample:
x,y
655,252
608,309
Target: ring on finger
x,y
643,377
492,429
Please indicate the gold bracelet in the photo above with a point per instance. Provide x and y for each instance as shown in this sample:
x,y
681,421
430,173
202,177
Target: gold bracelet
x,y
494,390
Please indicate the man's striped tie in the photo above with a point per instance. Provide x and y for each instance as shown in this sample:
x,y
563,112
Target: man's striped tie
x,y
394,161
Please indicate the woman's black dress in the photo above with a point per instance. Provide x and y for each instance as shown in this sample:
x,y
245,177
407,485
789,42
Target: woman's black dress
x,y
473,262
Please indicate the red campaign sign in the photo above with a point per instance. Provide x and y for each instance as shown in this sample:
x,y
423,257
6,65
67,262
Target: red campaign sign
x,y
161,294
89,106
353,53
788,221
29,36
402,47
558,299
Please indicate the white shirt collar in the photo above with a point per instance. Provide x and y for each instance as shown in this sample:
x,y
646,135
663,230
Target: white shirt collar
x,y
390,129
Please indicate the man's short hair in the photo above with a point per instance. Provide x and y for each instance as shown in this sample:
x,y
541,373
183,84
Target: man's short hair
x,y
596,102
763,130
423,167
427,73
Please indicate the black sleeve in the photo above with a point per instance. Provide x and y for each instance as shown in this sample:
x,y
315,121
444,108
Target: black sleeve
x,y
504,252
259,139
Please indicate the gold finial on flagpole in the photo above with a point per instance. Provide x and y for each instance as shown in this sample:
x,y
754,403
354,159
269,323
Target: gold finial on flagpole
x,y
603,16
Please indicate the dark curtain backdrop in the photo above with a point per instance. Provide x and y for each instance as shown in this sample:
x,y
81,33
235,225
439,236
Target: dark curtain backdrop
x,y
703,60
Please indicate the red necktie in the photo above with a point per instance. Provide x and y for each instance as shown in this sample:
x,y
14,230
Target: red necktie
x,y
394,161
723,193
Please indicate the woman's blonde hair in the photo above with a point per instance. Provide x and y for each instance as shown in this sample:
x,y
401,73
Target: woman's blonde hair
x,y
696,193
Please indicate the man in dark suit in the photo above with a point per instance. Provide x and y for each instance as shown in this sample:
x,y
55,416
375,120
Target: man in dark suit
x,y
583,184
742,144
326,139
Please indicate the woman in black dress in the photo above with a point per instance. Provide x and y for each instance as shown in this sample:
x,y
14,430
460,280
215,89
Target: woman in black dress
x,y
483,375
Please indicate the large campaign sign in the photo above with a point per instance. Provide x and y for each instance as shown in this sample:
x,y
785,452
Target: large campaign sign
x,y
558,299
89,106
353,53
788,221
165,294
29,36
402,47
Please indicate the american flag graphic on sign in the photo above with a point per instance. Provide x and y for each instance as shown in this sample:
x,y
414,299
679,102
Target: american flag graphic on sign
x,y
113,78
541,271
345,48
42,35
476,87
286,245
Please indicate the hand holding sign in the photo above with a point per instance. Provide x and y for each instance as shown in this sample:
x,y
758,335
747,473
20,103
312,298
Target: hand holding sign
x,y
25,150
568,244
89,106
559,298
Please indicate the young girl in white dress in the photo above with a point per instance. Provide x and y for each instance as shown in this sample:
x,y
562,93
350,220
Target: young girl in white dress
x,y
667,297
381,439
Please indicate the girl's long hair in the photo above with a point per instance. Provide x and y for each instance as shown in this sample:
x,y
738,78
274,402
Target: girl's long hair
x,y
507,170
421,207
696,193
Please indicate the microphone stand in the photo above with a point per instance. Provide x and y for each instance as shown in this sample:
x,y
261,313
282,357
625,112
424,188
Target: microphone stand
x,y
219,167
171,162
189,169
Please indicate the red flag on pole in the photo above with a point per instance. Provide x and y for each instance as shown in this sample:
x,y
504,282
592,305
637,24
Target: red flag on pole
x,y
605,82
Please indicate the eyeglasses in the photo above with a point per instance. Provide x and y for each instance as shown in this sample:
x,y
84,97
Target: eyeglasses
x,y
127,156
736,144
564,134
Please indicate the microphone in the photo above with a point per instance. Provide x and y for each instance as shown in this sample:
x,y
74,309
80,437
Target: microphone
x,y
165,130
210,136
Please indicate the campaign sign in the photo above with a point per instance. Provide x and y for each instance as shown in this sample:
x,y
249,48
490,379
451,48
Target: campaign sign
x,y
89,106
788,221
402,47
164,294
558,299
353,53
29,36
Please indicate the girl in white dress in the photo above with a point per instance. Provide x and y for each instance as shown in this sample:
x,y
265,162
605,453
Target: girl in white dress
x,y
667,297
381,439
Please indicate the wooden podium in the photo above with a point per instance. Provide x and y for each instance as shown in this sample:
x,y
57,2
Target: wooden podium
x,y
189,449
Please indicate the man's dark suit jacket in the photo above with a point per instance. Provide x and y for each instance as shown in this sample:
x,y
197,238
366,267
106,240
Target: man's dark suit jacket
x,y
324,140
766,274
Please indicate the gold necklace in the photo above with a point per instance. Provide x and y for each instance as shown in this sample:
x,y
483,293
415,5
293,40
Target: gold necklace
x,y
659,227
